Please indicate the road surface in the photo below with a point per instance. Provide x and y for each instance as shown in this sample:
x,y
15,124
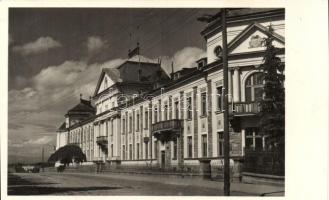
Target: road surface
x,y
107,184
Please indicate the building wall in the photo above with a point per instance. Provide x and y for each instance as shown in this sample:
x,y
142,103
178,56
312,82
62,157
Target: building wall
x,y
232,31
130,126
61,139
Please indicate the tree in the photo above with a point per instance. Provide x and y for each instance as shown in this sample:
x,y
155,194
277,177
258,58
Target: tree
x,y
272,115
68,154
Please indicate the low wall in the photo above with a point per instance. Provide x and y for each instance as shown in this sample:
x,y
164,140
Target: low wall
x,y
191,168
262,179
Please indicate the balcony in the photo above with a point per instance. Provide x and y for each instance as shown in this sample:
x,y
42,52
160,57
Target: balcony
x,y
169,125
102,140
245,108
167,130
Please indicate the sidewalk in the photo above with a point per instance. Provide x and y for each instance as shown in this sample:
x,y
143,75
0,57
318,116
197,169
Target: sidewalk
x,y
258,190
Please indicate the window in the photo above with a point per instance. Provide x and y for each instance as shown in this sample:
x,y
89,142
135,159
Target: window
x,y
137,122
146,120
137,151
107,128
165,112
189,146
219,98
204,145
155,150
189,107
253,139
112,129
123,126
111,150
254,87
130,151
175,149
204,104
146,150
176,110
130,124
123,152
155,115
220,147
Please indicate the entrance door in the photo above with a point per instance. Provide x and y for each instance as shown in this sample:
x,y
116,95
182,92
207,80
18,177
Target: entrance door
x,y
163,159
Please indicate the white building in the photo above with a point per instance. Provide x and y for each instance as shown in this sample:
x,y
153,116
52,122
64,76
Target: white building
x,y
182,124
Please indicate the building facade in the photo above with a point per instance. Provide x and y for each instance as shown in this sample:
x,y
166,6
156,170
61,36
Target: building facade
x,y
142,117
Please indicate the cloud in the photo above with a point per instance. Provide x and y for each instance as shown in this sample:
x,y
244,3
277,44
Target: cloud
x,y
95,43
39,109
40,45
184,58
21,82
39,141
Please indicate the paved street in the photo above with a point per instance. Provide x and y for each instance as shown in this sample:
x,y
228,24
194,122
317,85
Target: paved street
x,y
109,184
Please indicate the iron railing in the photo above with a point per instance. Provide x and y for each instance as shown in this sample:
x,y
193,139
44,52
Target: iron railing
x,y
245,108
173,124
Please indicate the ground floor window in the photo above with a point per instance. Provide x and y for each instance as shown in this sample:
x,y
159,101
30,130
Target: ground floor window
x,y
155,150
189,146
137,151
130,151
253,139
111,150
175,149
123,152
220,147
204,145
146,150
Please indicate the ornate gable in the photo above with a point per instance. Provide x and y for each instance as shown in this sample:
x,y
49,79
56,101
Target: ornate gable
x,y
251,39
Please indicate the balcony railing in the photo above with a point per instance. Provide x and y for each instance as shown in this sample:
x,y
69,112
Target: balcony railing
x,y
174,124
102,140
245,108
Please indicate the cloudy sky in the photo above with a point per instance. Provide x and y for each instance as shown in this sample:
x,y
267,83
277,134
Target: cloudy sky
x,y
56,54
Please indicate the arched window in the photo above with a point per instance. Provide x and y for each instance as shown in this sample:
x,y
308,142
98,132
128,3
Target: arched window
x,y
254,87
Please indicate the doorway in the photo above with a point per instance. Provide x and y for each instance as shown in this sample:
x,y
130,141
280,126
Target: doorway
x,y
163,159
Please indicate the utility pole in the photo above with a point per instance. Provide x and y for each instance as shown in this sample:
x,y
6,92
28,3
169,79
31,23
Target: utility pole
x,y
226,110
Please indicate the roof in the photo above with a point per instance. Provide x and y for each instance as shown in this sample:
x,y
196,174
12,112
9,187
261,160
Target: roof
x,y
83,106
62,127
242,14
113,73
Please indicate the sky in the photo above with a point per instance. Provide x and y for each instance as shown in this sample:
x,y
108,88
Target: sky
x,y
56,54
